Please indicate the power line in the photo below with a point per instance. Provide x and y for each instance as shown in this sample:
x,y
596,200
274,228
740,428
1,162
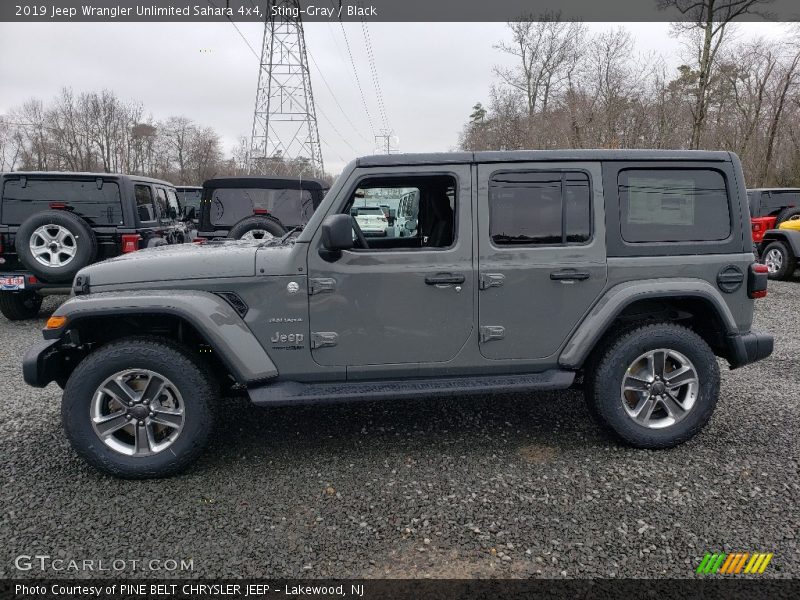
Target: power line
x,y
335,99
355,72
374,71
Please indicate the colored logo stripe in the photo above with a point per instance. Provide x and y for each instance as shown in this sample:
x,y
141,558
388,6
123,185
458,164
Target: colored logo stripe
x,y
730,564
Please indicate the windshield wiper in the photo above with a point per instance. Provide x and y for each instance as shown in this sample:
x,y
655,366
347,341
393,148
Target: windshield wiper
x,y
290,232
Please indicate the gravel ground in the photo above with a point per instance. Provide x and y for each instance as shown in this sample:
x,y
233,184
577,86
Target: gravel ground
x,y
509,486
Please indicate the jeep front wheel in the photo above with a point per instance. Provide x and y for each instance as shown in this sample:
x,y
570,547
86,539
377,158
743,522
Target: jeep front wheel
x,y
138,408
654,387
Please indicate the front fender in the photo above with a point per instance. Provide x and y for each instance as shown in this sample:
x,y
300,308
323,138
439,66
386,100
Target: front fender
x,y
611,305
220,325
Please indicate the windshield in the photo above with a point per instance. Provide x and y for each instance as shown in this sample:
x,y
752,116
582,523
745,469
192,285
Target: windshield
x,y
230,205
190,197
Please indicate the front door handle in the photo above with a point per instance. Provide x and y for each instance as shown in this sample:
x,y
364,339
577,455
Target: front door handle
x,y
445,279
569,275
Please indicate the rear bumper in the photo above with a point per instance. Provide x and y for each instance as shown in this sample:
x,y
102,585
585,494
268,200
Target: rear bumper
x,y
34,284
750,347
42,363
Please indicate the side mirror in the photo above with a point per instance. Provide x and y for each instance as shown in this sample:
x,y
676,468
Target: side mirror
x,y
337,233
410,225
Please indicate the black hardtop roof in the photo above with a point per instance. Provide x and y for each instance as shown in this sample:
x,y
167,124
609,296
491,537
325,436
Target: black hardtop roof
x,y
263,182
83,175
539,155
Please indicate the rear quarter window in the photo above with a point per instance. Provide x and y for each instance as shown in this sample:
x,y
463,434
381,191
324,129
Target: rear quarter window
x,y
673,205
81,197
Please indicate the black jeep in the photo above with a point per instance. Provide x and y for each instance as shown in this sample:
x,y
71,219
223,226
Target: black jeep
x,y
54,224
256,207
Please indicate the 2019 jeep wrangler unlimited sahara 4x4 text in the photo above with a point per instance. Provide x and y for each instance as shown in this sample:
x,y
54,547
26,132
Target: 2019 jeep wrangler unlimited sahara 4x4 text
x,y
523,270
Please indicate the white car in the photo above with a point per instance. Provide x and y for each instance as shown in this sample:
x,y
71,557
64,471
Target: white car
x,y
371,219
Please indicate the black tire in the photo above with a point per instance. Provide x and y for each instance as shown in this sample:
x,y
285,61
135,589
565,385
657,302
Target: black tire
x,y
788,261
85,245
18,306
264,223
168,360
604,380
786,214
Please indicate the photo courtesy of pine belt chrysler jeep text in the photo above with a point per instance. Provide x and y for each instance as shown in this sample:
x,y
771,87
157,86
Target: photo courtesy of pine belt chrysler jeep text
x,y
627,272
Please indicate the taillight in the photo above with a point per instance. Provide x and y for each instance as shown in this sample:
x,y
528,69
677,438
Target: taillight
x,y
757,281
130,242
32,280
199,240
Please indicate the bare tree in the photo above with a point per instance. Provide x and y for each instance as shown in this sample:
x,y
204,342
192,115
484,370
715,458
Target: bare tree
x,y
705,27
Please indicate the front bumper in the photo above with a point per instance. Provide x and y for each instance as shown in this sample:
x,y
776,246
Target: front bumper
x,y
42,363
748,348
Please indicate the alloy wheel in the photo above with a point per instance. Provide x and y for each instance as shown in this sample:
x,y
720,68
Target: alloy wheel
x,y
53,245
773,260
137,412
660,388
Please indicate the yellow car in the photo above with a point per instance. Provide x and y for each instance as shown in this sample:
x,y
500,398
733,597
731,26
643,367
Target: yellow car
x,y
792,224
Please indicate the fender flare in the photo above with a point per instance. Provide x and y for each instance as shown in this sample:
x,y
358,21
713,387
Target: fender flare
x,y
213,317
595,325
783,235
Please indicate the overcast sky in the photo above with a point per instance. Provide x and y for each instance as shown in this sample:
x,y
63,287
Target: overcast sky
x,y
430,73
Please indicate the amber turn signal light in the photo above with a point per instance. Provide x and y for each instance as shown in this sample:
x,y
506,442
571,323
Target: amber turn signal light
x,y
55,322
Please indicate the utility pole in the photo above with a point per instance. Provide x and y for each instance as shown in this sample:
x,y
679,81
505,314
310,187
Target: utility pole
x,y
285,136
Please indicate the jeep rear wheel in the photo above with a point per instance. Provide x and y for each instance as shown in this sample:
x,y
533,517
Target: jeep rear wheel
x,y
780,260
261,228
655,386
18,306
138,408
55,245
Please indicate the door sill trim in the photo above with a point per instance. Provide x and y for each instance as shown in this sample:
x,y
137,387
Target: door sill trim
x,y
295,392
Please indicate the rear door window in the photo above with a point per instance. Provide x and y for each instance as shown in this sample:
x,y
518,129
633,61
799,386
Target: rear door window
x,y
145,206
98,203
539,208
161,203
673,205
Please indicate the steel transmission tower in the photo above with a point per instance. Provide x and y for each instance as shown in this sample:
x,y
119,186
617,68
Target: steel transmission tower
x,y
285,135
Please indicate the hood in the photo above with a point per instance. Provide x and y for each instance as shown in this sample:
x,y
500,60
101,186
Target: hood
x,y
176,262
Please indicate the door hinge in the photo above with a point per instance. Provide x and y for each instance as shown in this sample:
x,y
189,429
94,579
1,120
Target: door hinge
x,y
490,280
323,339
320,285
492,332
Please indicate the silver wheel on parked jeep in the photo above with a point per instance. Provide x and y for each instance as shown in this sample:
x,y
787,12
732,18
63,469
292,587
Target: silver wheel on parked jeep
x,y
137,412
257,234
654,386
774,261
659,388
139,407
53,245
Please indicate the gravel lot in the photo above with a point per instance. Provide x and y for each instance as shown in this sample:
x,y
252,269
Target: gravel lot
x,y
509,486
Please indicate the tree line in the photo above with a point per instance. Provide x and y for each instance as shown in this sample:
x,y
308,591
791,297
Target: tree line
x,y
99,132
568,88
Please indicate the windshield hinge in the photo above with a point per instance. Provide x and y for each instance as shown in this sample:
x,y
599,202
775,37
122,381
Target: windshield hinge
x,y
320,285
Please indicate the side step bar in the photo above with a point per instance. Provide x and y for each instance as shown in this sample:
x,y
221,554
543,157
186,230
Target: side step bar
x,y
294,392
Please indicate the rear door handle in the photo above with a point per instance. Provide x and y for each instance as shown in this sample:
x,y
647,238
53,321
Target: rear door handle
x,y
445,279
569,275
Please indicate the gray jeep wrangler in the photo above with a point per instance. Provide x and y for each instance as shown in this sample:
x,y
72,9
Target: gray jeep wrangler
x,y
628,272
